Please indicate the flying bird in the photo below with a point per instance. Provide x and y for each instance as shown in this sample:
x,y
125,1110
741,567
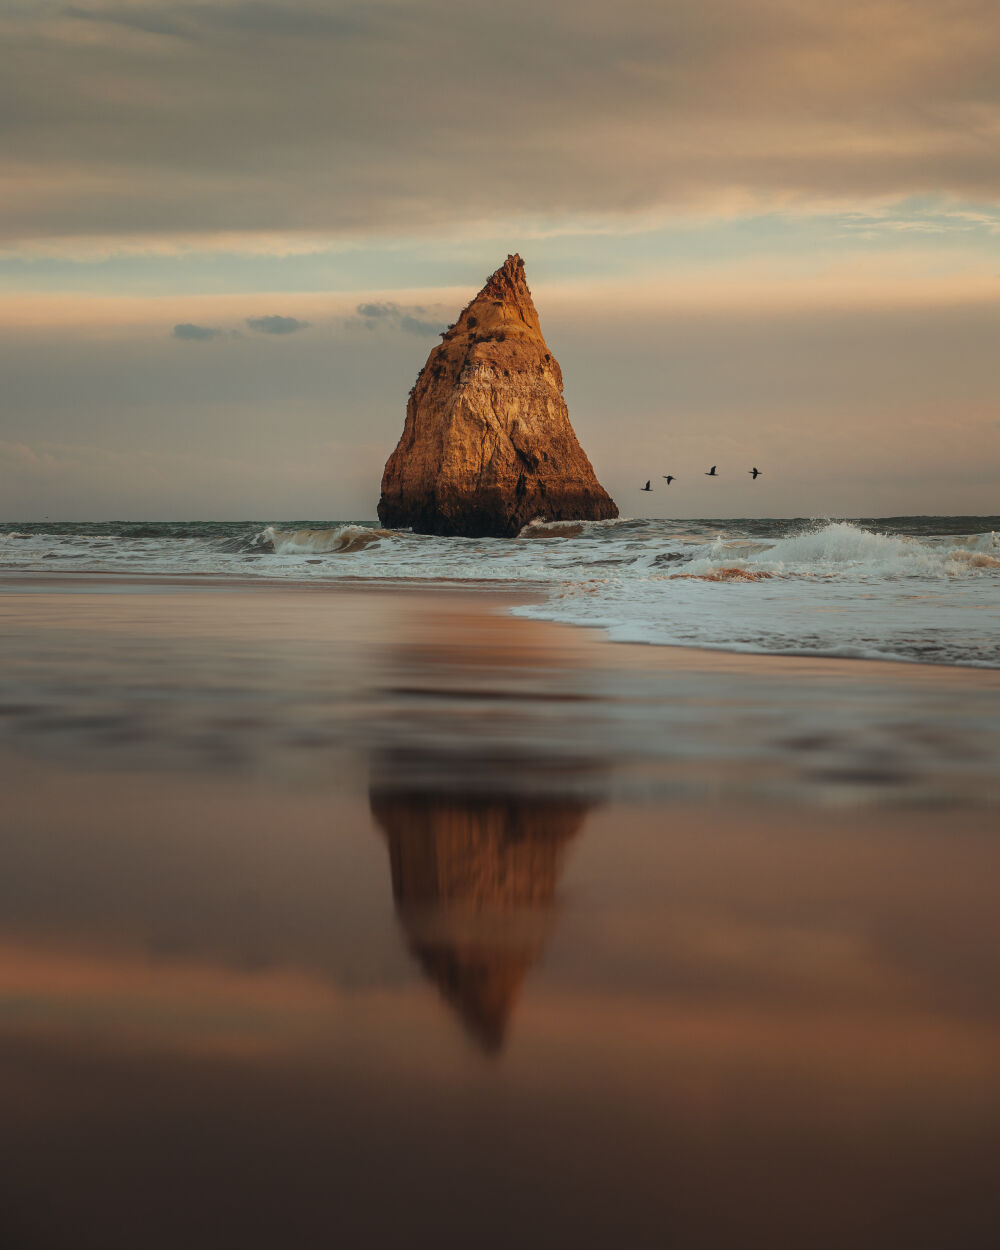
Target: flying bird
x,y
712,472
667,477
646,487
754,472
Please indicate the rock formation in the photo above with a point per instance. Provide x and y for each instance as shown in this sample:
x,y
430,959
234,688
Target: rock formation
x,y
487,445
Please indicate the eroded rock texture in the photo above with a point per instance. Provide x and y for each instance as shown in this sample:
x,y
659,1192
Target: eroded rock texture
x,y
487,445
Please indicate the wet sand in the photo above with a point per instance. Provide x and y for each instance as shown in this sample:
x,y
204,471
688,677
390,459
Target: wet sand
x,y
378,917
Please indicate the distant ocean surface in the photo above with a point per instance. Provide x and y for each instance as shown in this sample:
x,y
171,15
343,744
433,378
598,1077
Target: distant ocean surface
x,y
924,589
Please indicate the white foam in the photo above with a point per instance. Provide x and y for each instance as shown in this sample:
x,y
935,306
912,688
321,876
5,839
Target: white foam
x,y
835,587
319,541
843,547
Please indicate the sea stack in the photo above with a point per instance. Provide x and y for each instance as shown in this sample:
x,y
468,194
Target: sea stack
x,y
487,445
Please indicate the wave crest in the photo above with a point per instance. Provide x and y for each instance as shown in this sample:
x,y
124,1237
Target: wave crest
x,y
305,542
539,528
841,547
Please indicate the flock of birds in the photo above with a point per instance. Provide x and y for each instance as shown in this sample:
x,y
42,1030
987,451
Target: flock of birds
x,y
669,477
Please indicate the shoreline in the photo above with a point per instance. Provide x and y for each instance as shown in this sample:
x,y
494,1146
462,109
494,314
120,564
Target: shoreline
x,y
502,597
917,593
452,686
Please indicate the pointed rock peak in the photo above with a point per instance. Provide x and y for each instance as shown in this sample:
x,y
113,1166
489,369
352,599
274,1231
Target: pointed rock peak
x,y
508,282
504,304
487,445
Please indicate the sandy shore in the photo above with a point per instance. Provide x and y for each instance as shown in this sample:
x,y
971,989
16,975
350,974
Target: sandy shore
x,y
324,909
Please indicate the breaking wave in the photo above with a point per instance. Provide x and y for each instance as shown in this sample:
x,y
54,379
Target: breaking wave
x,y
913,588
552,529
841,547
343,538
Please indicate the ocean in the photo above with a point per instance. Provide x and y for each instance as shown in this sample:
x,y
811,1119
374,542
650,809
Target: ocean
x,y
918,589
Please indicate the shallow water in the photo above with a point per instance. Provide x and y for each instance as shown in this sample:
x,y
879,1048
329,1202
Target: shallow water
x,y
921,589
386,918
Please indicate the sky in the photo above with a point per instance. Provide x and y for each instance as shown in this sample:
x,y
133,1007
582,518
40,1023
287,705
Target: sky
x,y
757,232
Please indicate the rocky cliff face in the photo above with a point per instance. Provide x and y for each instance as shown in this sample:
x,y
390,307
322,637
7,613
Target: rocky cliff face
x,y
487,445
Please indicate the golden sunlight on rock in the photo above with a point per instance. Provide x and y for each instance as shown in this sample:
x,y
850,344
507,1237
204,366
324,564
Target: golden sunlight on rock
x,y
487,445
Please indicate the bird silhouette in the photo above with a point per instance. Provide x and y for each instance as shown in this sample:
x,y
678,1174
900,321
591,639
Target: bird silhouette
x,y
646,487
754,473
668,478
712,472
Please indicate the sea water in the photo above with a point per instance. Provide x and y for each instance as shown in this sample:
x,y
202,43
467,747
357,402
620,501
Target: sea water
x,y
923,589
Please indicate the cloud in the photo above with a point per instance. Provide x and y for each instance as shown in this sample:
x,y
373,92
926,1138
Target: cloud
x,y
413,325
152,20
206,23
412,319
194,334
276,325
148,119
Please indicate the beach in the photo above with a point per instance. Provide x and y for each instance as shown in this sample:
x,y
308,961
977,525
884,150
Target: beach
x,y
327,905
499,625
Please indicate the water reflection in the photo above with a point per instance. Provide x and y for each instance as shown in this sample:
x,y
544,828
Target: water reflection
x,y
757,1004
474,878
483,770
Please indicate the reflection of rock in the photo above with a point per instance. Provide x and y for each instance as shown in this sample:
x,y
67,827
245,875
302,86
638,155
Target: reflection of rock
x,y
473,879
487,445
